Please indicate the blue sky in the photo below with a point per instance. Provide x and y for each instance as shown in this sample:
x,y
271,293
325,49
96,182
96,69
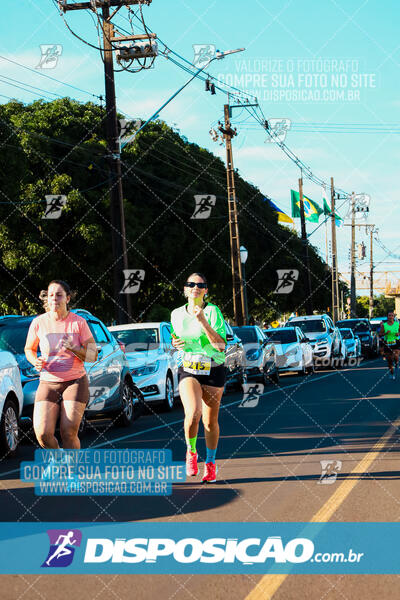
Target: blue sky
x,y
290,46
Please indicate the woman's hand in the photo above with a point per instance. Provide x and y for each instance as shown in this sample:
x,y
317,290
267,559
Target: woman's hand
x,y
178,343
199,314
66,344
39,363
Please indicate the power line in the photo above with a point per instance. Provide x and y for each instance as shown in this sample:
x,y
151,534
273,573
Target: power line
x,y
49,77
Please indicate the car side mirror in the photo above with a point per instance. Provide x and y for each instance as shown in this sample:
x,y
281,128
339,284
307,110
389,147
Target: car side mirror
x,y
229,337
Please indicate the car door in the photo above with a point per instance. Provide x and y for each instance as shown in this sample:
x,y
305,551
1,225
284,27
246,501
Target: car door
x,y
105,374
231,350
305,348
168,355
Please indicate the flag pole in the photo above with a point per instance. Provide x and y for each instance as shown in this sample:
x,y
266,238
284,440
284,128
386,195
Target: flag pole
x,y
306,257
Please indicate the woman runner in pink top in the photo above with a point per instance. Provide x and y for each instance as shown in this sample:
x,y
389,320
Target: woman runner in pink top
x,y
66,342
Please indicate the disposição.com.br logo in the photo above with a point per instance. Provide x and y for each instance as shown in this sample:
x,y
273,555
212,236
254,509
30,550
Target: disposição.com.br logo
x,y
63,543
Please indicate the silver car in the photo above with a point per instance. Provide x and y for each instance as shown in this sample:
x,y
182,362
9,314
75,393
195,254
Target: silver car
x,y
261,355
151,358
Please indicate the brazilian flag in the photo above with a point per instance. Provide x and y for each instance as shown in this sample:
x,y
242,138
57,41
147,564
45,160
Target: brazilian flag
x,y
327,212
311,208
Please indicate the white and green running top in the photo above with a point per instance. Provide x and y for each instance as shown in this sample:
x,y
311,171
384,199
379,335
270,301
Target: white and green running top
x,y
391,332
187,328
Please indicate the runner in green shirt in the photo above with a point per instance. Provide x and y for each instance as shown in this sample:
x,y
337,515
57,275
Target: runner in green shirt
x,y
389,331
198,332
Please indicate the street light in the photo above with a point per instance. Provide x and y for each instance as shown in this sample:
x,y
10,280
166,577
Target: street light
x,y
243,257
218,56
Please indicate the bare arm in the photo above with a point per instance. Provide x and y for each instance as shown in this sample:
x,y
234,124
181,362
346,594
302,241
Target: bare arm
x,y
87,352
31,354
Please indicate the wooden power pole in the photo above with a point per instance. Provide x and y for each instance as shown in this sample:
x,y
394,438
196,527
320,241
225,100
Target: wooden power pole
x,y
123,311
335,282
306,256
237,279
353,312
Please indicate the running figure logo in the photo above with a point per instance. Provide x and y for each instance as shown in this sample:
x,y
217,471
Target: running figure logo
x,y
203,53
251,395
204,204
133,279
127,128
286,280
330,470
54,207
278,129
50,55
63,543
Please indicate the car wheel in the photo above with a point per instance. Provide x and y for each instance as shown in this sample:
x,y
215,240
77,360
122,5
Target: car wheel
x,y
169,400
126,413
273,377
302,371
9,429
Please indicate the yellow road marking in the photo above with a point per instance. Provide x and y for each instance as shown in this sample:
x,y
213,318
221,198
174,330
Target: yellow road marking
x,y
269,584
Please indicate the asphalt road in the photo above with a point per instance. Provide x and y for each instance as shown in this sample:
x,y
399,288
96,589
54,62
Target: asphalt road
x,y
269,468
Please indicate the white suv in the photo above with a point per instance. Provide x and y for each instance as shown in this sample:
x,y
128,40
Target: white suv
x,y
11,401
322,335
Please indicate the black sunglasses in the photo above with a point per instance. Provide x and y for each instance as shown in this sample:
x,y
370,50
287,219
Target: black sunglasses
x,y
192,284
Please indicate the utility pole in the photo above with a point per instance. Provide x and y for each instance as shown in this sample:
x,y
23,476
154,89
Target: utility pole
x,y
335,283
237,279
123,311
371,272
353,259
306,257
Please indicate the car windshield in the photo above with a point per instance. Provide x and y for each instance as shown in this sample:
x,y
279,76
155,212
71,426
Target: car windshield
x,y
283,336
248,335
13,336
138,340
347,334
354,324
311,325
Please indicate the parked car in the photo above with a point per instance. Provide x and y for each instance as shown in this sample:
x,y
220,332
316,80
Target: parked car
x,y
112,390
235,361
352,342
11,402
368,337
260,354
152,360
294,352
322,334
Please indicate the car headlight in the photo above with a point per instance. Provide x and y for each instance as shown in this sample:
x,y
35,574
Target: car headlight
x,y
146,370
253,354
291,352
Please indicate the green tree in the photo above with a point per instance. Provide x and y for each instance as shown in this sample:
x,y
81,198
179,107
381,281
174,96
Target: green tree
x,y
59,148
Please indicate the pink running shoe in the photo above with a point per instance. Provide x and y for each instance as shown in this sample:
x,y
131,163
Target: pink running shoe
x,y
191,463
210,472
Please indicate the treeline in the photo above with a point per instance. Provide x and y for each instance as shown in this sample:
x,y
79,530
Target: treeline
x,y
59,148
